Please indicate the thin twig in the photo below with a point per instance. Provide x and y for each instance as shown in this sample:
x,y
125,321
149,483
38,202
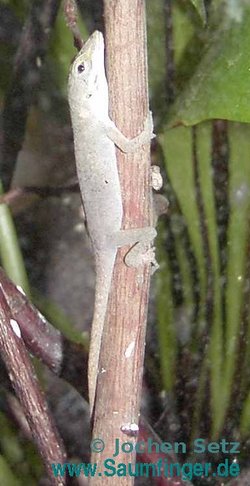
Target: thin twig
x,y
70,12
14,195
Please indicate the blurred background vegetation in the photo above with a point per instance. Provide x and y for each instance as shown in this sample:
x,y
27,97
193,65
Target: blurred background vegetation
x,y
197,364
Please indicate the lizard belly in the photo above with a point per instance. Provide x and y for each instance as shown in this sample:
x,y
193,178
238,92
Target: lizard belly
x,y
100,188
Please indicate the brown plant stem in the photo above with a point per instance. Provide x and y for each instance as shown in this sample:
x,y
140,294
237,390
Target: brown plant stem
x,y
31,397
117,405
70,12
65,358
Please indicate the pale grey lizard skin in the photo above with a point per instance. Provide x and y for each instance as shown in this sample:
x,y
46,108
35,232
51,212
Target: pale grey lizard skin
x,y
95,137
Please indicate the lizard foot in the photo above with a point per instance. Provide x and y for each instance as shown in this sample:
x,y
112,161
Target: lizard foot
x,y
156,177
138,256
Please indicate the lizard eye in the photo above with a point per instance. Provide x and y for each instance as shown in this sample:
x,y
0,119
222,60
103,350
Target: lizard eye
x,y
81,68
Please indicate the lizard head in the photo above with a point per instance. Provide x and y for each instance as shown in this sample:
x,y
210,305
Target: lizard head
x,y
87,80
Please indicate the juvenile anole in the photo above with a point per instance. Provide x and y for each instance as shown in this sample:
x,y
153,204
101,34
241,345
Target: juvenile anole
x,y
95,138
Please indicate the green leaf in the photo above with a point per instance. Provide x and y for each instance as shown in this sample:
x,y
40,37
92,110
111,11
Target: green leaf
x,y
177,149
200,7
6,475
245,417
215,360
165,318
222,357
186,28
220,87
238,234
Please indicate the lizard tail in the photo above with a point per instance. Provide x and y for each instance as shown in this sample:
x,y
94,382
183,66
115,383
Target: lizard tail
x,y
104,270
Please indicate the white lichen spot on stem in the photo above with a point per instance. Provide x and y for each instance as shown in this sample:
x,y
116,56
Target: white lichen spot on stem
x,y
130,349
130,429
15,327
20,289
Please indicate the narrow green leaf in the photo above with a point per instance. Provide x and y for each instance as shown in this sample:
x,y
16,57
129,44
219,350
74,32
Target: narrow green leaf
x,y
245,418
238,232
215,357
59,320
10,252
177,149
166,328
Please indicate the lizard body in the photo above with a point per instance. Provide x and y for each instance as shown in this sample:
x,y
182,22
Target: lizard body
x,y
95,137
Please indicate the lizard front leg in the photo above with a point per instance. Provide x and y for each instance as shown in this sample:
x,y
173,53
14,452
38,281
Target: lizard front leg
x,y
128,145
140,238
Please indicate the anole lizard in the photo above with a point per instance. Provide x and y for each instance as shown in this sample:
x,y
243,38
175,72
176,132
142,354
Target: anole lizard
x,y
95,137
